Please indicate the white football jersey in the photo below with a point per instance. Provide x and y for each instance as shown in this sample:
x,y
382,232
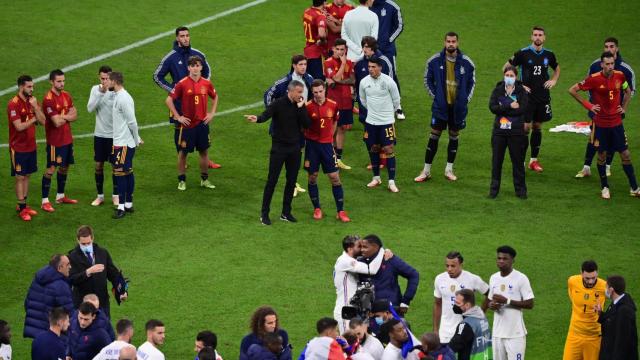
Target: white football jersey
x,y
508,322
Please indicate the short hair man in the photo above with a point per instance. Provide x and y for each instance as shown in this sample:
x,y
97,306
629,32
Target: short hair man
x,y
101,100
125,142
445,287
356,24
270,349
434,349
610,45
59,113
370,49
5,340
175,64
128,352
535,61
87,340
50,287
206,339
49,344
91,267
289,118
368,343
472,336
324,115
398,335
314,23
450,80
380,314
24,113
324,345
193,118
379,94
155,337
124,329
339,72
606,89
509,293
619,329
586,293
101,320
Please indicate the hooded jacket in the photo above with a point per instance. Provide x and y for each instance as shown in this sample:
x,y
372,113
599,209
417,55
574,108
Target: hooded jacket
x,y
48,289
175,63
619,331
390,25
472,339
260,352
86,343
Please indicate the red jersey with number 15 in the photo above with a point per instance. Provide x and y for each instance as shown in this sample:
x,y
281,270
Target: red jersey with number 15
x,y
605,91
340,93
57,105
21,141
194,96
323,121
312,20
337,12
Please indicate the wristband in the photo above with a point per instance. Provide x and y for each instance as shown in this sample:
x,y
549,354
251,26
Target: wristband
x,y
587,105
508,301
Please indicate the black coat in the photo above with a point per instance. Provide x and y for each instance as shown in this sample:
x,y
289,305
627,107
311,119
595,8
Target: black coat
x,y
499,104
96,283
619,332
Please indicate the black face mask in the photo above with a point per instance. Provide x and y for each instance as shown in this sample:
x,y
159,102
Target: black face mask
x,y
457,310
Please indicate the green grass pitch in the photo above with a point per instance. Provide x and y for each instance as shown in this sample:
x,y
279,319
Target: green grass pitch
x,y
200,259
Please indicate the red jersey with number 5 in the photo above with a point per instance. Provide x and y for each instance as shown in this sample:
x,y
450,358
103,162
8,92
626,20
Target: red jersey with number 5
x,y
337,12
606,91
194,96
57,105
323,121
312,20
21,141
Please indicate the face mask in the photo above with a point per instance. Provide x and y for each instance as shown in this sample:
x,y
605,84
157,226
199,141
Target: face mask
x,y
87,248
509,81
379,320
607,293
457,310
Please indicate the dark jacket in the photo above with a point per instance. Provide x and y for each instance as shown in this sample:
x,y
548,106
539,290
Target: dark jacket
x,y
86,343
435,81
390,25
175,63
472,339
48,289
508,121
251,339
288,121
260,352
96,283
48,346
443,353
101,321
279,88
619,331
386,280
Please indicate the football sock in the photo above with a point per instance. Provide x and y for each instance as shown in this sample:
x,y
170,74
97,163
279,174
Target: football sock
x,y
427,169
99,182
62,181
432,148
628,169
589,153
338,196
314,195
391,166
115,185
46,185
122,189
204,176
338,153
602,171
375,162
610,157
130,186
452,149
448,167
182,177
536,141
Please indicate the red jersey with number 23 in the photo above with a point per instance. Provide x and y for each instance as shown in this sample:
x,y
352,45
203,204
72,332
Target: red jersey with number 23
x,y
605,91
194,96
57,105
323,121
21,141
312,20
340,93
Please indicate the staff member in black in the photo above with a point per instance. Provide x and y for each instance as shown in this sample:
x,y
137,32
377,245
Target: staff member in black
x,y
509,103
619,332
91,267
289,118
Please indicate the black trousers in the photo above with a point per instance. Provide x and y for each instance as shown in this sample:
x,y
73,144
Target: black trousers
x,y
289,156
516,145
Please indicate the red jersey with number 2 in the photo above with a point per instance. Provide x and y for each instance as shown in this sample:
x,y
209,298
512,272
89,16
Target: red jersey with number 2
x,y
57,105
194,97
605,91
323,121
21,141
312,20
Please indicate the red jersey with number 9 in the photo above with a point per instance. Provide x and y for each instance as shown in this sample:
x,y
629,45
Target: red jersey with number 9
x,y
312,20
323,121
194,96
605,91
57,105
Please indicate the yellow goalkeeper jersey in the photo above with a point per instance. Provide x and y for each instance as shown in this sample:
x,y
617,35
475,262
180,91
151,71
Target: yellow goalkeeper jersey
x,y
584,319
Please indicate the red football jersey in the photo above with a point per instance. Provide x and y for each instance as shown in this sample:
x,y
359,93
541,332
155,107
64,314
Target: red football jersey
x,y
338,13
605,91
323,120
312,20
57,105
21,141
194,97
341,93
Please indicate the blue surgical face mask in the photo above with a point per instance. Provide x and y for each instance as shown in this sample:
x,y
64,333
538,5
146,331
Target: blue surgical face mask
x,y
509,81
379,320
87,248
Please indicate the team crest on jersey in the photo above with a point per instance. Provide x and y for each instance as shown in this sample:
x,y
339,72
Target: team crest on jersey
x,y
203,90
383,12
189,91
545,61
329,113
13,112
453,288
462,71
59,159
586,296
313,115
502,287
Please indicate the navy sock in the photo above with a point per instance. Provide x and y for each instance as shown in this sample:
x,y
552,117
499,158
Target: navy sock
x,y
314,195
22,204
62,181
375,162
338,196
536,141
115,185
628,169
99,182
602,171
338,153
432,149
610,158
589,153
391,166
182,177
131,184
122,188
46,185
452,149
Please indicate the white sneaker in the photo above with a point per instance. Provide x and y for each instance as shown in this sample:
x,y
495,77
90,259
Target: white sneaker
x,y
585,172
422,177
635,193
605,193
608,170
393,188
98,201
115,199
400,114
374,182
450,175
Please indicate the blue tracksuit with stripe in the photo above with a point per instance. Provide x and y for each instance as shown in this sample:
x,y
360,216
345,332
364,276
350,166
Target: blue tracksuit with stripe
x,y
390,26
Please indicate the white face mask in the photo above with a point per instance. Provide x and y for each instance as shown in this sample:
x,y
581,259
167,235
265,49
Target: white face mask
x,y
509,81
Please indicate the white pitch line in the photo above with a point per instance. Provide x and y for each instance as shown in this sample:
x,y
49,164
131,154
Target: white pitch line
x,y
140,43
164,123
